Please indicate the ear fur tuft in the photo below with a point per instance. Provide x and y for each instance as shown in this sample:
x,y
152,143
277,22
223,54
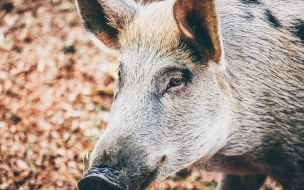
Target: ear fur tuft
x,y
106,18
198,21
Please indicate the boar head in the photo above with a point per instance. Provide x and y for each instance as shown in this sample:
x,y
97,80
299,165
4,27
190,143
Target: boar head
x,y
169,109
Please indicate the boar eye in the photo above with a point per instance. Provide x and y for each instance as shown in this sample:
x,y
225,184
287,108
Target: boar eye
x,y
176,81
119,77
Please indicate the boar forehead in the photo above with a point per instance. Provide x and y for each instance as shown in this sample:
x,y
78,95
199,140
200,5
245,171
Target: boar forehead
x,y
151,43
153,29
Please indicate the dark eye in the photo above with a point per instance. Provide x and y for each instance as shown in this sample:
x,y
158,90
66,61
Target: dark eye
x,y
176,81
119,77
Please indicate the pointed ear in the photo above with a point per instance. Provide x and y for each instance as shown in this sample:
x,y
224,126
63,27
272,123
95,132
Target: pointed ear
x,y
106,18
198,22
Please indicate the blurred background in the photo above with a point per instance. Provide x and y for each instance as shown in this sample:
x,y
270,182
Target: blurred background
x,y
56,91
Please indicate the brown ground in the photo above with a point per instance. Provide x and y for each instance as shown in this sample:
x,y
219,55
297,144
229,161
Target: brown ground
x,y
56,90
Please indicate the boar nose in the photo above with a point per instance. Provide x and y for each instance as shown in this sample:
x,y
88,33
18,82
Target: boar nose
x,y
101,179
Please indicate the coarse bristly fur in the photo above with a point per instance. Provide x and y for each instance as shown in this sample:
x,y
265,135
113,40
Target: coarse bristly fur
x,y
239,109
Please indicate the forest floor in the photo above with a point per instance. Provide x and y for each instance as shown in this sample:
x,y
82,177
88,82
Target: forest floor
x,y
56,90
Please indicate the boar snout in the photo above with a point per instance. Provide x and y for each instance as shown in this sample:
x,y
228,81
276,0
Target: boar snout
x,y
101,179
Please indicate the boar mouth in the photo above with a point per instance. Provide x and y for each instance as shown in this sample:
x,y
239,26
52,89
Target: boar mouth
x,y
149,179
101,179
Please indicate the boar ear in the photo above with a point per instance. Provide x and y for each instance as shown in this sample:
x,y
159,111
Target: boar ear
x,y
106,18
197,21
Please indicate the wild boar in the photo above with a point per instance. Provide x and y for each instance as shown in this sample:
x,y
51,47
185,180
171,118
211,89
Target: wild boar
x,y
205,83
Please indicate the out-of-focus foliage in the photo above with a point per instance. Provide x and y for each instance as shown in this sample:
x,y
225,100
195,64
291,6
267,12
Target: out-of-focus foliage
x,y
56,91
